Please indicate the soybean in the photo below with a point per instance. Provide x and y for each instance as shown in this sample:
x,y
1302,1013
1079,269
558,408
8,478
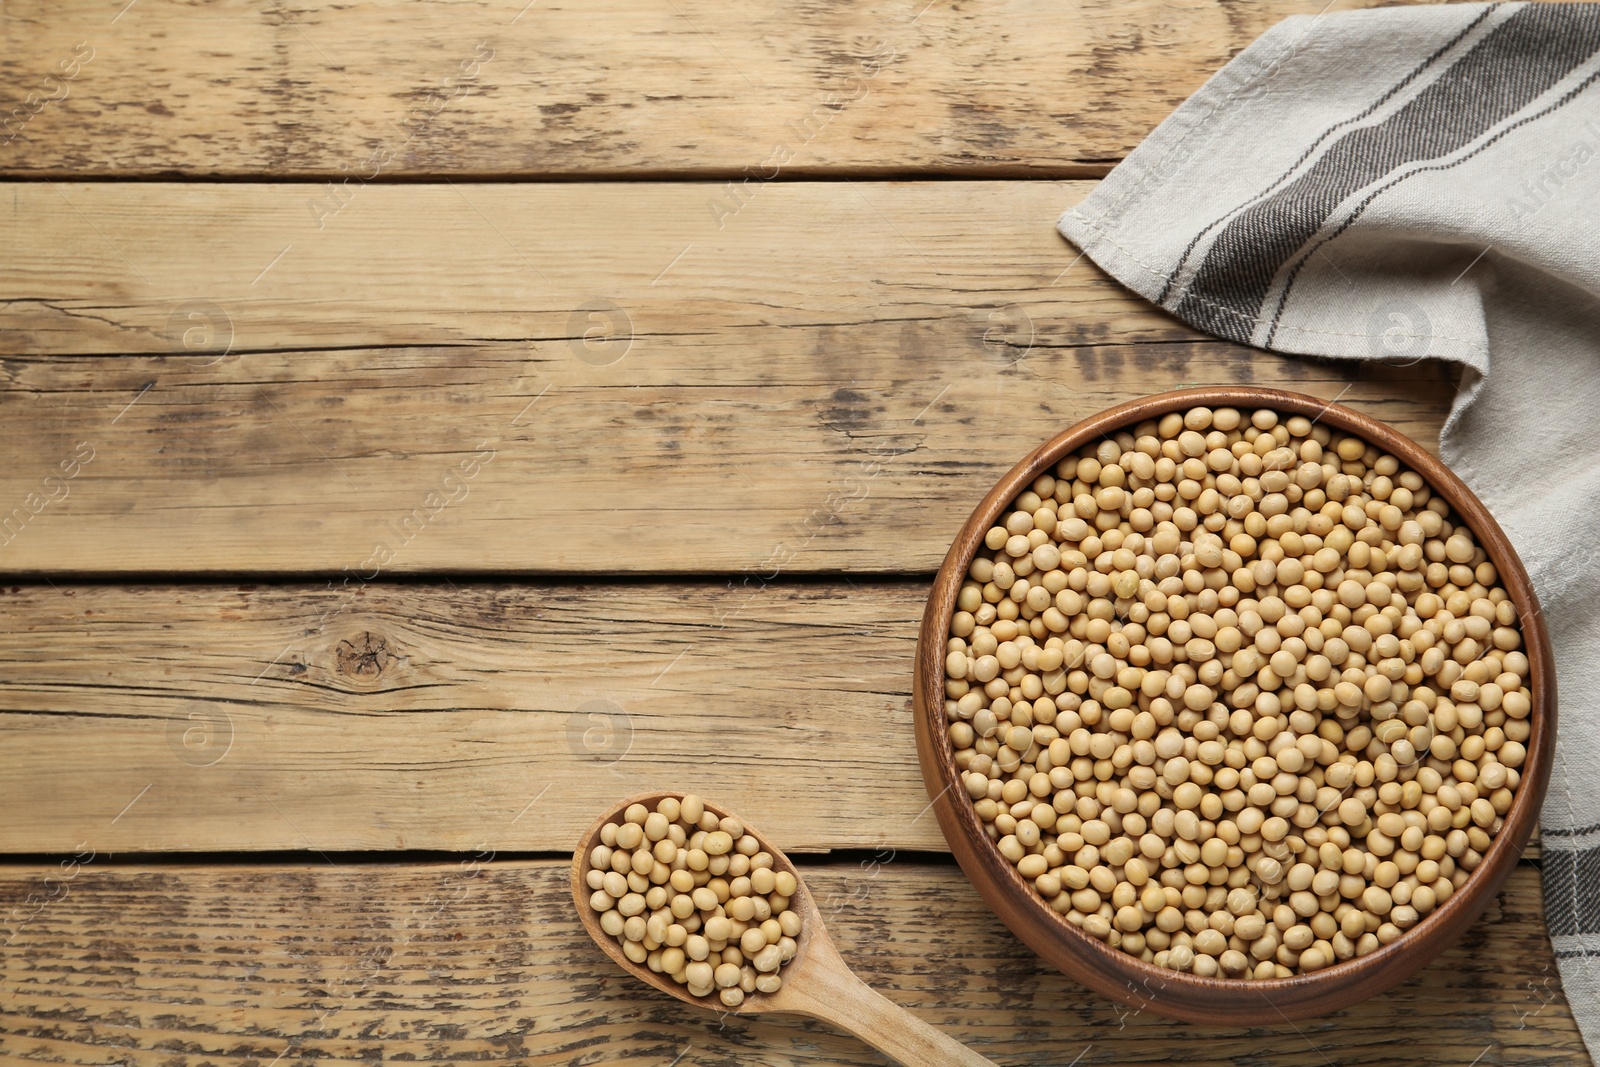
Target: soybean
x,y
694,897
1237,693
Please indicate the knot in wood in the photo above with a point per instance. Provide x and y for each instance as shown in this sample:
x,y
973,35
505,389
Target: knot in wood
x,y
364,657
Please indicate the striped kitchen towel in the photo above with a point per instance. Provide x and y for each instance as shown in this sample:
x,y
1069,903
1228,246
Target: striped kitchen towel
x,y
1409,183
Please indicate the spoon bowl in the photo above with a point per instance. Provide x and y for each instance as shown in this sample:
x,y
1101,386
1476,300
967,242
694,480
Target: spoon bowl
x,y
817,983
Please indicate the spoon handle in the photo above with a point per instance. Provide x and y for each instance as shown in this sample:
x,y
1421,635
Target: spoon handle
x,y
835,995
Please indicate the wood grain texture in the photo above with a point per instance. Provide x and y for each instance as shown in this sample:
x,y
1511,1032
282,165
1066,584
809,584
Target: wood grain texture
x,y
472,88
114,268
743,376
180,966
452,715
827,384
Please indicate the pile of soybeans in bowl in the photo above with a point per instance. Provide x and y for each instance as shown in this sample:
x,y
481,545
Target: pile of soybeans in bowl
x,y
1237,694
691,895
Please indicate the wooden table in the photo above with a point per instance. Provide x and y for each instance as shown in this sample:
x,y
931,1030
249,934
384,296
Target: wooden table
x,y
428,423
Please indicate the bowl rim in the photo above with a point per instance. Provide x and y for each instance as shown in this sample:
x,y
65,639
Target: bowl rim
x,y
1125,977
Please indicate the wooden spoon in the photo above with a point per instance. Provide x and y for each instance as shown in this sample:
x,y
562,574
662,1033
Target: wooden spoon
x,y
816,982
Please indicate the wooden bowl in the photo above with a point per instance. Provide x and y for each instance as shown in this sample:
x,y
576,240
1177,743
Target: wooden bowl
x,y
1118,974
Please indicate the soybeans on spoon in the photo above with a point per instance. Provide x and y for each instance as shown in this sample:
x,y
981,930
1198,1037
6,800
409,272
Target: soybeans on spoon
x,y
817,982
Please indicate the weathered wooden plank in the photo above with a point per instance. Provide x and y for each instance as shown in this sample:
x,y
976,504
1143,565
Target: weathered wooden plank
x,y
450,715
476,88
119,268
827,384
483,961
